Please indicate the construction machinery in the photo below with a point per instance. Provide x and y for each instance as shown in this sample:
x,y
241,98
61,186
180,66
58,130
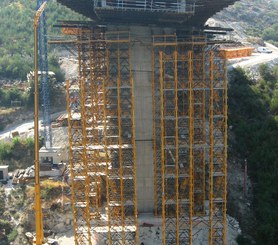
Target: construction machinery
x,y
43,64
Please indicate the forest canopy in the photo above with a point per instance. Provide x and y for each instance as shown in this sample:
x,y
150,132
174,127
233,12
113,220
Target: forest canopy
x,y
17,37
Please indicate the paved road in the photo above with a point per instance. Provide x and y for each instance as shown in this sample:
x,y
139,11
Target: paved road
x,y
22,128
258,58
27,127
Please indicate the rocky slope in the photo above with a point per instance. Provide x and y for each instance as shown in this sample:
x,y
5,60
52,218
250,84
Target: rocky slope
x,y
256,18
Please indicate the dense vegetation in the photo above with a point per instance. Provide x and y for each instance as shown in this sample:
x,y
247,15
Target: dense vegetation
x,y
26,97
7,233
17,154
253,114
257,17
12,207
16,39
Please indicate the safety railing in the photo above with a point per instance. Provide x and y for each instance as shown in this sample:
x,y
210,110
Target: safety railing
x,y
179,6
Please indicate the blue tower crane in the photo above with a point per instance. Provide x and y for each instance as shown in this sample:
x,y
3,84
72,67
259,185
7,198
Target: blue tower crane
x,y
43,63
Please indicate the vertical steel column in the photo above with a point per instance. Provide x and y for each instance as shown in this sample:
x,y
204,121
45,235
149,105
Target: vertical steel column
x,y
225,149
85,175
106,147
191,142
134,151
120,146
211,153
204,129
177,146
162,146
73,199
38,209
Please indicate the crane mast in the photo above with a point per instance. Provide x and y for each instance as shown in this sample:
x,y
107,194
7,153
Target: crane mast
x,y
43,63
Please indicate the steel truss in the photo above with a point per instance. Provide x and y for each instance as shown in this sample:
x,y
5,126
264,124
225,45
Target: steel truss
x,y
43,61
102,140
190,139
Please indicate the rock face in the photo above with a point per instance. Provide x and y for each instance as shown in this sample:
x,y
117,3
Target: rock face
x,y
241,17
56,221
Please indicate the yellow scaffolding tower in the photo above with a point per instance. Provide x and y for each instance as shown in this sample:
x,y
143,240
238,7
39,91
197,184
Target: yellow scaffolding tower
x,y
102,140
218,150
189,104
189,86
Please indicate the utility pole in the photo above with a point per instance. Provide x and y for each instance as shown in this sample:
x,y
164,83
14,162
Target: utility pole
x,y
38,209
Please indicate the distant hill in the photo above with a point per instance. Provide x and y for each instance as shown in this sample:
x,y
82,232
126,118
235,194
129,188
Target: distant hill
x,y
258,18
16,34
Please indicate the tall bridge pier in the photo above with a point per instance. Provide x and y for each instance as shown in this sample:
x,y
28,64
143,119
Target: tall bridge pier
x,y
147,128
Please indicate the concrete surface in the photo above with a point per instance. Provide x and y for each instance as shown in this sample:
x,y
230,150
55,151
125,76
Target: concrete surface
x,y
142,74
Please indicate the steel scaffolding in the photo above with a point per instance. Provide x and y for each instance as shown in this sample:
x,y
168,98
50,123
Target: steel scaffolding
x,y
189,90
102,140
190,139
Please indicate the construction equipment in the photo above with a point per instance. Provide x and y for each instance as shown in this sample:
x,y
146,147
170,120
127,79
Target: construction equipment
x,y
43,62
38,208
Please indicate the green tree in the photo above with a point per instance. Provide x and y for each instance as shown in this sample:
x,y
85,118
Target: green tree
x,y
267,73
271,33
55,67
274,104
5,150
16,39
256,133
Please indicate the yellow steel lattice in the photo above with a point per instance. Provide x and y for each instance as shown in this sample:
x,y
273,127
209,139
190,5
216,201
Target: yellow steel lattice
x,y
102,141
190,125
189,140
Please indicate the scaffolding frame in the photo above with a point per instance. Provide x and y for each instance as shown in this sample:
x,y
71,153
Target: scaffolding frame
x,y
189,82
190,127
218,110
102,140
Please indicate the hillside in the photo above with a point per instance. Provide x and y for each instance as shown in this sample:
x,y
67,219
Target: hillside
x,y
253,120
16,39
256,18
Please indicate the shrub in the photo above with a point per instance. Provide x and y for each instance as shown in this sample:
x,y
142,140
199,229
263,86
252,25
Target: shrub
x,y
5,225
256,133
241,240
12,236
16,142
5,150
29,142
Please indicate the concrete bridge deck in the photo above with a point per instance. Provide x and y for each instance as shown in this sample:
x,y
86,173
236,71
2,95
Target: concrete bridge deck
x,y
145,12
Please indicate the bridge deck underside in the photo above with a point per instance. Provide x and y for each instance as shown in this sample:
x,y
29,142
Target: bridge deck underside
x,y
195,13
